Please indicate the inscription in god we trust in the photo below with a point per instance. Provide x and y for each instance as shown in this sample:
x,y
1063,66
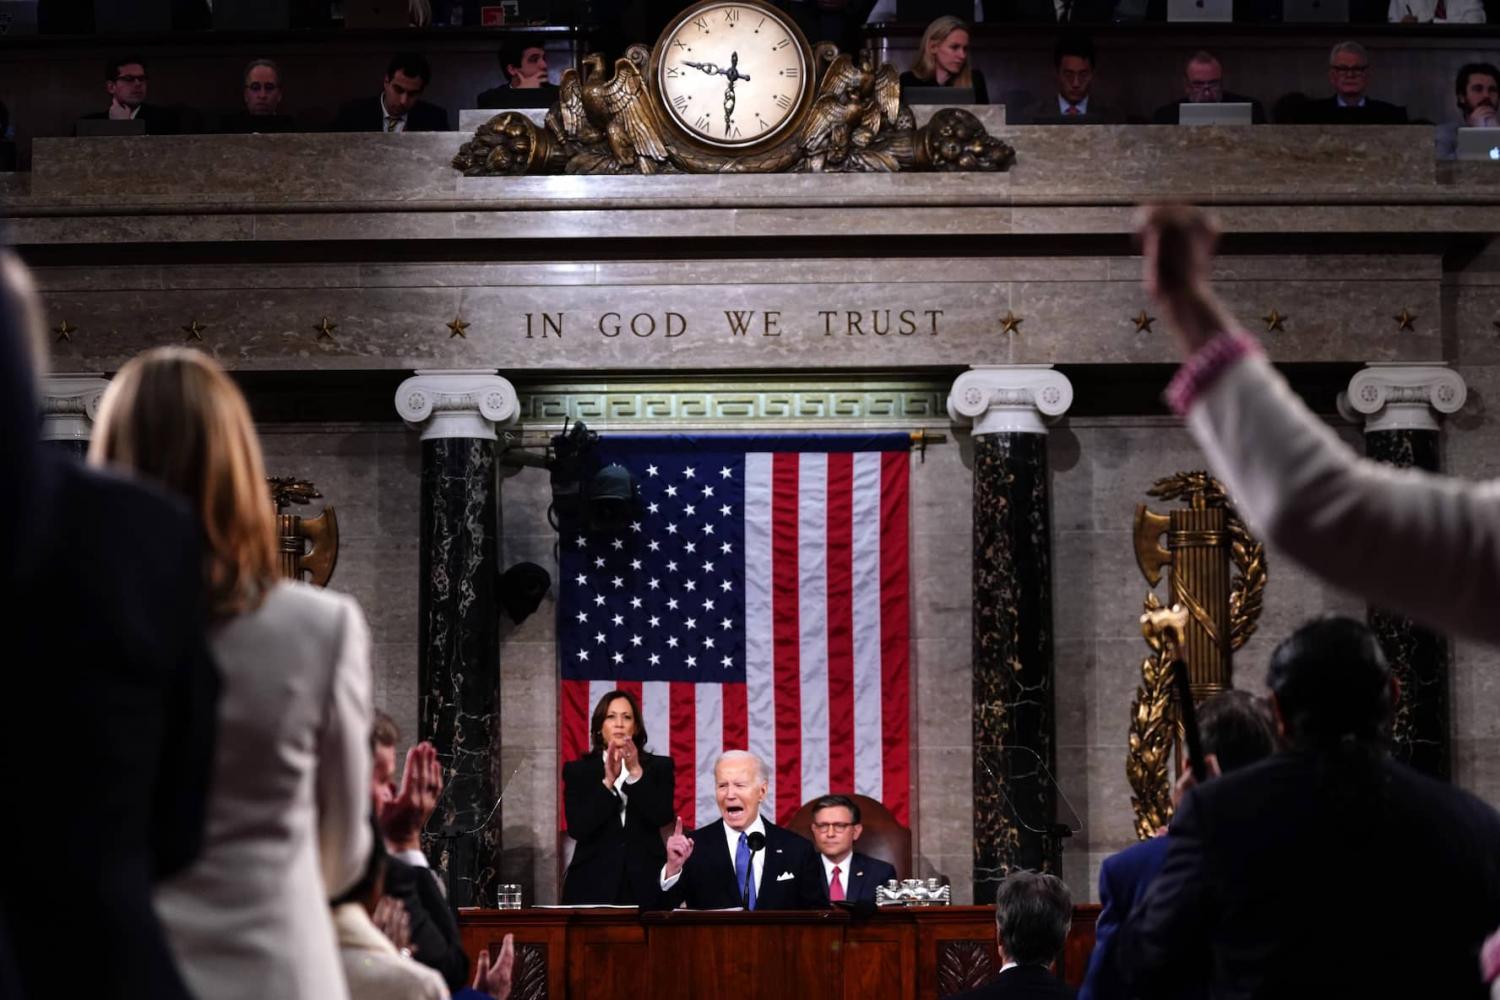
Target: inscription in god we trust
x,y
736,323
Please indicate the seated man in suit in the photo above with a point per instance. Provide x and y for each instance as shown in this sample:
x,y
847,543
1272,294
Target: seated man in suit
x,y
1349,74
401,814
398,107
741,859
125,83
1237,730
262,92
523,59
1275,869
848,874
1073,59
1032,915
1203,83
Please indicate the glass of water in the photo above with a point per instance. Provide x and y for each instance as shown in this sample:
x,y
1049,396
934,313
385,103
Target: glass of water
x,y
509,897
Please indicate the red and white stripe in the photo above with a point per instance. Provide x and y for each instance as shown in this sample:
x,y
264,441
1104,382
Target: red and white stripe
x,y
826,700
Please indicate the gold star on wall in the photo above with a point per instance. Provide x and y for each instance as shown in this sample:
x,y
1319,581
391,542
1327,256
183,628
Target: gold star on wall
x,y
458,326
194,330
325,330
1405,318
1010,322
65,332
1142,322
1273,321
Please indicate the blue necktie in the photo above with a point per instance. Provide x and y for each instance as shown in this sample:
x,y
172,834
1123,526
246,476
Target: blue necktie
x,y
741,866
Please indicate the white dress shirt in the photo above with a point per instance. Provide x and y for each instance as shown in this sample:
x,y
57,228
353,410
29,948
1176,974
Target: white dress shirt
x,y
618,786
732,841
1063,105
385,118
1425,11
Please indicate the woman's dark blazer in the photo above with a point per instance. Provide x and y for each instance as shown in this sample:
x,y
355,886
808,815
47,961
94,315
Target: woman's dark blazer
x,y
614,863
981,92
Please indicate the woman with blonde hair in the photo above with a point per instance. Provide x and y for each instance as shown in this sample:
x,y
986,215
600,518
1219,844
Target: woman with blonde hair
x,y
943,60
290,795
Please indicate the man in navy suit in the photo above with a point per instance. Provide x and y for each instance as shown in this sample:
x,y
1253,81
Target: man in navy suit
x,y
741,859
398,107
1237,730
847,874
1032,915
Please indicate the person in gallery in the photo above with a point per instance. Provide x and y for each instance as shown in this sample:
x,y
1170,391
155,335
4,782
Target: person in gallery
x,y
616,800
849,875
1033,913
943,60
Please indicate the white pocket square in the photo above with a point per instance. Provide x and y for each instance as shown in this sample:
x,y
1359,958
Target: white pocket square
x,y
784,876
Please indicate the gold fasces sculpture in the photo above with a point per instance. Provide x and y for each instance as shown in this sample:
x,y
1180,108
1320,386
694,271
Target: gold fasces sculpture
x,y
309,546
641,120
1220,613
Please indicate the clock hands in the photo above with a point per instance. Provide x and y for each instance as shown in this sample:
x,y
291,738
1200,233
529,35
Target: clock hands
x,y
732,74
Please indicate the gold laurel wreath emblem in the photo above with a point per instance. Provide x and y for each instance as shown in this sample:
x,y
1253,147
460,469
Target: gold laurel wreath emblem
x,y
1153,718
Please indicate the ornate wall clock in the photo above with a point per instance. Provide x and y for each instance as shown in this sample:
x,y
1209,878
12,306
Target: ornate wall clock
x,y
732,73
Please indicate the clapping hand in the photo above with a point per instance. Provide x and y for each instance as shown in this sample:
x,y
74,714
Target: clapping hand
x,y
394,922
1177,242
611,765
679,849
403,817
495,979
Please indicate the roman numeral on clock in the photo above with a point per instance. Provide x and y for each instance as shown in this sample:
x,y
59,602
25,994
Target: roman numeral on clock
x,y
732,16
680,102
783,102
673,72
781,44
702,123
702,24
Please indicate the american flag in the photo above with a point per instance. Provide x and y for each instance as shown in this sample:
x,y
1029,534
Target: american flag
x,y
758,600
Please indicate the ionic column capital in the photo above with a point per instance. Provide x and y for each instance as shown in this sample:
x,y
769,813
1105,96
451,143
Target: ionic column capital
x,y
449,403
1009,399
70,402
1402,397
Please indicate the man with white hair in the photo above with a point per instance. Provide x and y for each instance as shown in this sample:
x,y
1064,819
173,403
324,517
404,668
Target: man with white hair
x,y
741,859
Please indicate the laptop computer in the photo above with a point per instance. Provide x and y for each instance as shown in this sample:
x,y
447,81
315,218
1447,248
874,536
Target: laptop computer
x,y
1315,11
1479,144
1200,10
1214,114
937,95
109,126
376,13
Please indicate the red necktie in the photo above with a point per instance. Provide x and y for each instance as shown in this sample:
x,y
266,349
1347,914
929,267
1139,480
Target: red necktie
x,y
1072,110
835,887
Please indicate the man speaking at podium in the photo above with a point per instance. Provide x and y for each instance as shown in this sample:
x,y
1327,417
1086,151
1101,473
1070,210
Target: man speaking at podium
x,y
740,859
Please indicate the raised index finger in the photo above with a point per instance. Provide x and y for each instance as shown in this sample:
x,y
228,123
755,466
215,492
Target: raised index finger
x,y
678,832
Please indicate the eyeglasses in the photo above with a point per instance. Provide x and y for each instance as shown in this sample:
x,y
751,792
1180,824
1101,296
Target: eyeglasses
x,y
1205,85
257,87
831,827
1350,70
130,78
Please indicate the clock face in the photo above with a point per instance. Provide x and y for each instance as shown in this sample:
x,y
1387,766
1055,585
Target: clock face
x,y
732,74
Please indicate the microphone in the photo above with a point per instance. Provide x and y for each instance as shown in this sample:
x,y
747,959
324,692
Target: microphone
x,y
755,841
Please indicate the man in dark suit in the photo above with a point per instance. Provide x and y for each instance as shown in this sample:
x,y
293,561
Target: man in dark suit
x,y
1280,878
1203,83
1349,74
1073,60
1237,731
110,693
847,874
1032,915
401,814
398,107
719,866
1065,11
523,60
126,84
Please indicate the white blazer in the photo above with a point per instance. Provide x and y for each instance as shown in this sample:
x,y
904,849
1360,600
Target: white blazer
x,y
289,806
1424,545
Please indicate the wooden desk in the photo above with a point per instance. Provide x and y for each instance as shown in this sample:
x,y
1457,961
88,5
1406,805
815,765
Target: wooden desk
x,y
771,955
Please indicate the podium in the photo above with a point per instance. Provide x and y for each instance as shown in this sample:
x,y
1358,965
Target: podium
x,y
582,954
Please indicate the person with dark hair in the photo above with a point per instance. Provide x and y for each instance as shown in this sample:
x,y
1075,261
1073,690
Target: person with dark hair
x,y
523,60
1237,730
1033,912
261,92
1477,94
1073,60
398,107
401,814
1203,83
849,875
1249,853
616,799
1349,75
123,794
126,84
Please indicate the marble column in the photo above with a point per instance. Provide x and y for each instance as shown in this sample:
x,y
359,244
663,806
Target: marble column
x,y
70,402
459,632
1015,797
1399,406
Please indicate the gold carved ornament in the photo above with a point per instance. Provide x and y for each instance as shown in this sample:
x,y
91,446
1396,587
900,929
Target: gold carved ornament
x,y
731,86
1218,615
308,547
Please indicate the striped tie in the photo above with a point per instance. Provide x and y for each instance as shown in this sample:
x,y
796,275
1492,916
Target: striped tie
x,y
391,121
